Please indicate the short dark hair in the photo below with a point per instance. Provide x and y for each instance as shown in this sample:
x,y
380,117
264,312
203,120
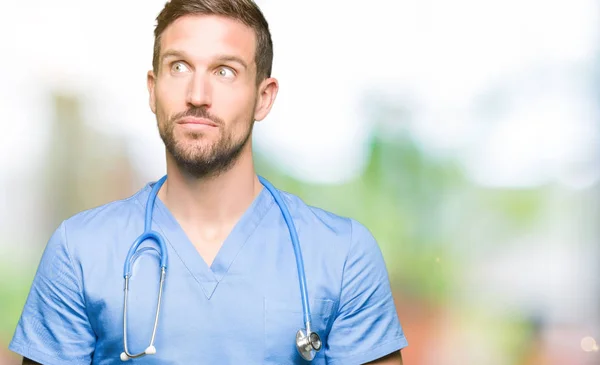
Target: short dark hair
x,y
245,11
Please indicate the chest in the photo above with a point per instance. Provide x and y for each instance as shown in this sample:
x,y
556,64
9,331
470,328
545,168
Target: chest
x,y
207,242
249,314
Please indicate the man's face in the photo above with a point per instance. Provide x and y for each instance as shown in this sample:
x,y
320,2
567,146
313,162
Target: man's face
x,y
205,94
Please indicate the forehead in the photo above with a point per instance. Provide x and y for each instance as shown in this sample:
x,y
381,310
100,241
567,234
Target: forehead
x,y
203,36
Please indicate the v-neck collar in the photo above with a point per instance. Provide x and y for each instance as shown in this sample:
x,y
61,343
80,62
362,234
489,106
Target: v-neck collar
x,y
207,277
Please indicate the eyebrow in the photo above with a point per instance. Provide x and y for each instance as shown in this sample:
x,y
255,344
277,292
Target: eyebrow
x,y
219,58
171,53
231,58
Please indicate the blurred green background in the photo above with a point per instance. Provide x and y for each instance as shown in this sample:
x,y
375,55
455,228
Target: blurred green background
x,y
464,135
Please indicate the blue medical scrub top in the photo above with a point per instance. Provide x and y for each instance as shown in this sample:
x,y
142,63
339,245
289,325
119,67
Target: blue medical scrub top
x,y
244,309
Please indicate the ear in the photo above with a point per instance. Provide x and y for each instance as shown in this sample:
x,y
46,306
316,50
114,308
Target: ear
x,y
267,91
151,83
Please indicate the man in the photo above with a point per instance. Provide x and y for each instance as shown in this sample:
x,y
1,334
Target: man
x,y
231,293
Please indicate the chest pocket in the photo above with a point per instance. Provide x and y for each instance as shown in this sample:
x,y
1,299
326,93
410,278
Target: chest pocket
x,y
283,319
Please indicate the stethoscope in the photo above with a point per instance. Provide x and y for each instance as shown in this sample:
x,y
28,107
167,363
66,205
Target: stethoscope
x,y
308,342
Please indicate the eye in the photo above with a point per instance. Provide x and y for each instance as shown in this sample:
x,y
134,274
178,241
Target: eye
x,y
179,67
225,72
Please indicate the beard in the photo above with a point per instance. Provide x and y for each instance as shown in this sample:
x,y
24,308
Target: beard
x,y
203,160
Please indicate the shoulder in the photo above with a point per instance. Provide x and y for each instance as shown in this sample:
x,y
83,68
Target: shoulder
x,y
104,219
89,239
109,213
340,230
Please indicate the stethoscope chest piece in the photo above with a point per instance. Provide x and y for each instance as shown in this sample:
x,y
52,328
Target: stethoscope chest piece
x,y
308,345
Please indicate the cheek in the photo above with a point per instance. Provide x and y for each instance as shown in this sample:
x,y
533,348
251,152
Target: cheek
x,y
161,111
236,105
170,97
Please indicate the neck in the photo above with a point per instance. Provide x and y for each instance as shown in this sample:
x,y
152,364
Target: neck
x,y
214,200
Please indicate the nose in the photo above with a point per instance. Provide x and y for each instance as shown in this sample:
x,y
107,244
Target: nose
x,y
199,91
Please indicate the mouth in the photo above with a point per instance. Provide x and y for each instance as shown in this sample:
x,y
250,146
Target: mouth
x,y
192,121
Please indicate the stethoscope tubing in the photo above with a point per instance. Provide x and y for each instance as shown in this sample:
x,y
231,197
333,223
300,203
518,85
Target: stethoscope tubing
x,y
149,234
297,251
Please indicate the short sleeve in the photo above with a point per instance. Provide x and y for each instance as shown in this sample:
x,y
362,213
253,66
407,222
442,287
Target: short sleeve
x,y
366,326
54,328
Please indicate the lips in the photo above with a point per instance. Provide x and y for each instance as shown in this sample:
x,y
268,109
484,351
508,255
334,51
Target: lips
x,y
196,121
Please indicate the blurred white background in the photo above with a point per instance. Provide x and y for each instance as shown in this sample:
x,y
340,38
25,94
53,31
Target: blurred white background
x,y
506,90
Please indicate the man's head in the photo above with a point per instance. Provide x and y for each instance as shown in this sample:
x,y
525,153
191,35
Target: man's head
x,y
210,81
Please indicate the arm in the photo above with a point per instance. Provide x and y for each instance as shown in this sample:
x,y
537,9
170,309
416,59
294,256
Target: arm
x,y
27,361
395,358
366,327
54,327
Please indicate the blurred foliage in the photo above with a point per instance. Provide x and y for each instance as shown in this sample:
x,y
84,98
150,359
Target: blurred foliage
x,y
429,220
399,199
420,210
15,281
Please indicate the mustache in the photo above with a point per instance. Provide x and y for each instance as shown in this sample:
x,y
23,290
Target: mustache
x,y
195,112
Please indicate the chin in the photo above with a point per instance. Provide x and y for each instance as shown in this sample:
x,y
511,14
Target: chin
x,y
194,148
195,140
190,135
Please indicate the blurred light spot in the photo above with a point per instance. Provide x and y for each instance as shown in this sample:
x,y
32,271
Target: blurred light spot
x,y
437,259
588,344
